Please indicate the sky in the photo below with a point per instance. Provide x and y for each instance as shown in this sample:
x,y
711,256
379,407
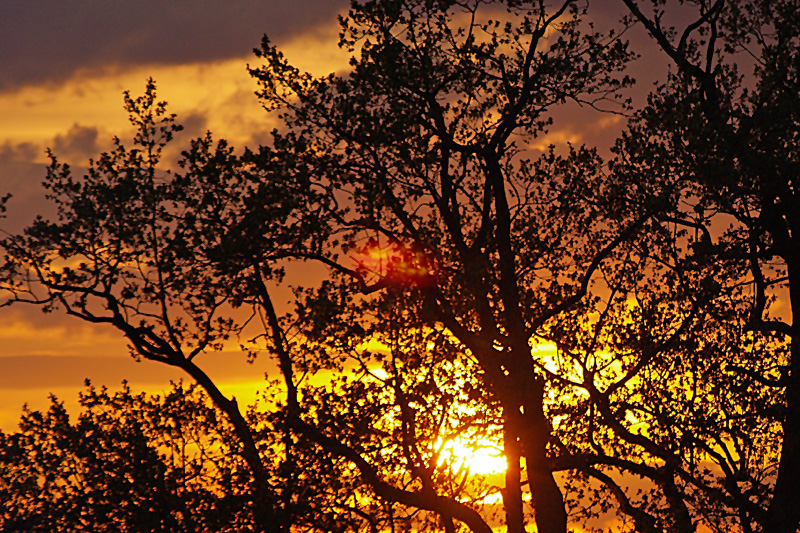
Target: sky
x,y
63,68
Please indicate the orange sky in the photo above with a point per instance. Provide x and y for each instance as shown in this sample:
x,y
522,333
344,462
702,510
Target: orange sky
x,y
63,67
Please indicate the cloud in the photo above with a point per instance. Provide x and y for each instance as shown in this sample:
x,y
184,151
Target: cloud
x,y
44,353
56,371
21,175
23,152
194,125
217,96
48,41
26,330
77,144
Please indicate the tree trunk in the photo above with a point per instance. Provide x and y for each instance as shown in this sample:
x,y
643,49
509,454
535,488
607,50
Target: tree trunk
x,y
783,515
512,494
548,502
264,513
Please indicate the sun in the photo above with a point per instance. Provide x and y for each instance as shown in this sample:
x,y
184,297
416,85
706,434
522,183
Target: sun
x,y
479,459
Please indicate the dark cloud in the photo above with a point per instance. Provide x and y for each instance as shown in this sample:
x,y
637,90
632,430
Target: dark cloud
x,y
54,371
77,144
22,170
46,41
18,153
52,350
195,124
21,176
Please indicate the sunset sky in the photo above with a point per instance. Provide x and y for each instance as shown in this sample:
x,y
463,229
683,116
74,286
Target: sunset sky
x,y
63,68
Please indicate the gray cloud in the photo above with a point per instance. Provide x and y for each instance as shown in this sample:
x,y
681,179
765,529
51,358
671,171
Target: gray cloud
x,y
194,125
51,371
47,41
18,153
77,144
21,176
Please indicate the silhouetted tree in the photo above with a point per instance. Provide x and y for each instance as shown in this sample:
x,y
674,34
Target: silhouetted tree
x,y
128,463
721,137
454,252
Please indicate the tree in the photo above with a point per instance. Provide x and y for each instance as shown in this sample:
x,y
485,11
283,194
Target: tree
x,y
449,186
454,253
728,140
129,463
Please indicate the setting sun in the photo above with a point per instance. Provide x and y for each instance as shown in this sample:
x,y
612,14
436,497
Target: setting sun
x,y
481,460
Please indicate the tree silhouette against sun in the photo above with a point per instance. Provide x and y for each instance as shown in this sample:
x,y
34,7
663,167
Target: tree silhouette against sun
x,y
611,323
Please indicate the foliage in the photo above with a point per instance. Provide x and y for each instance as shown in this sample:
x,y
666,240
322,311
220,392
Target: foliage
x,y
130,462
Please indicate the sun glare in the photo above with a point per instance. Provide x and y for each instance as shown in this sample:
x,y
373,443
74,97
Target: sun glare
x,y
479,460
394,263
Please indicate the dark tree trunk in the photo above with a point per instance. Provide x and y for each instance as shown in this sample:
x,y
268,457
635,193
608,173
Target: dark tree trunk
x,y
783,515
548,502
512,494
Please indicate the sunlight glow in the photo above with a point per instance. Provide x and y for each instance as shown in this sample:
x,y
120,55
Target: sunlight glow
x,y
379,373
394,263
481,460
375,346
